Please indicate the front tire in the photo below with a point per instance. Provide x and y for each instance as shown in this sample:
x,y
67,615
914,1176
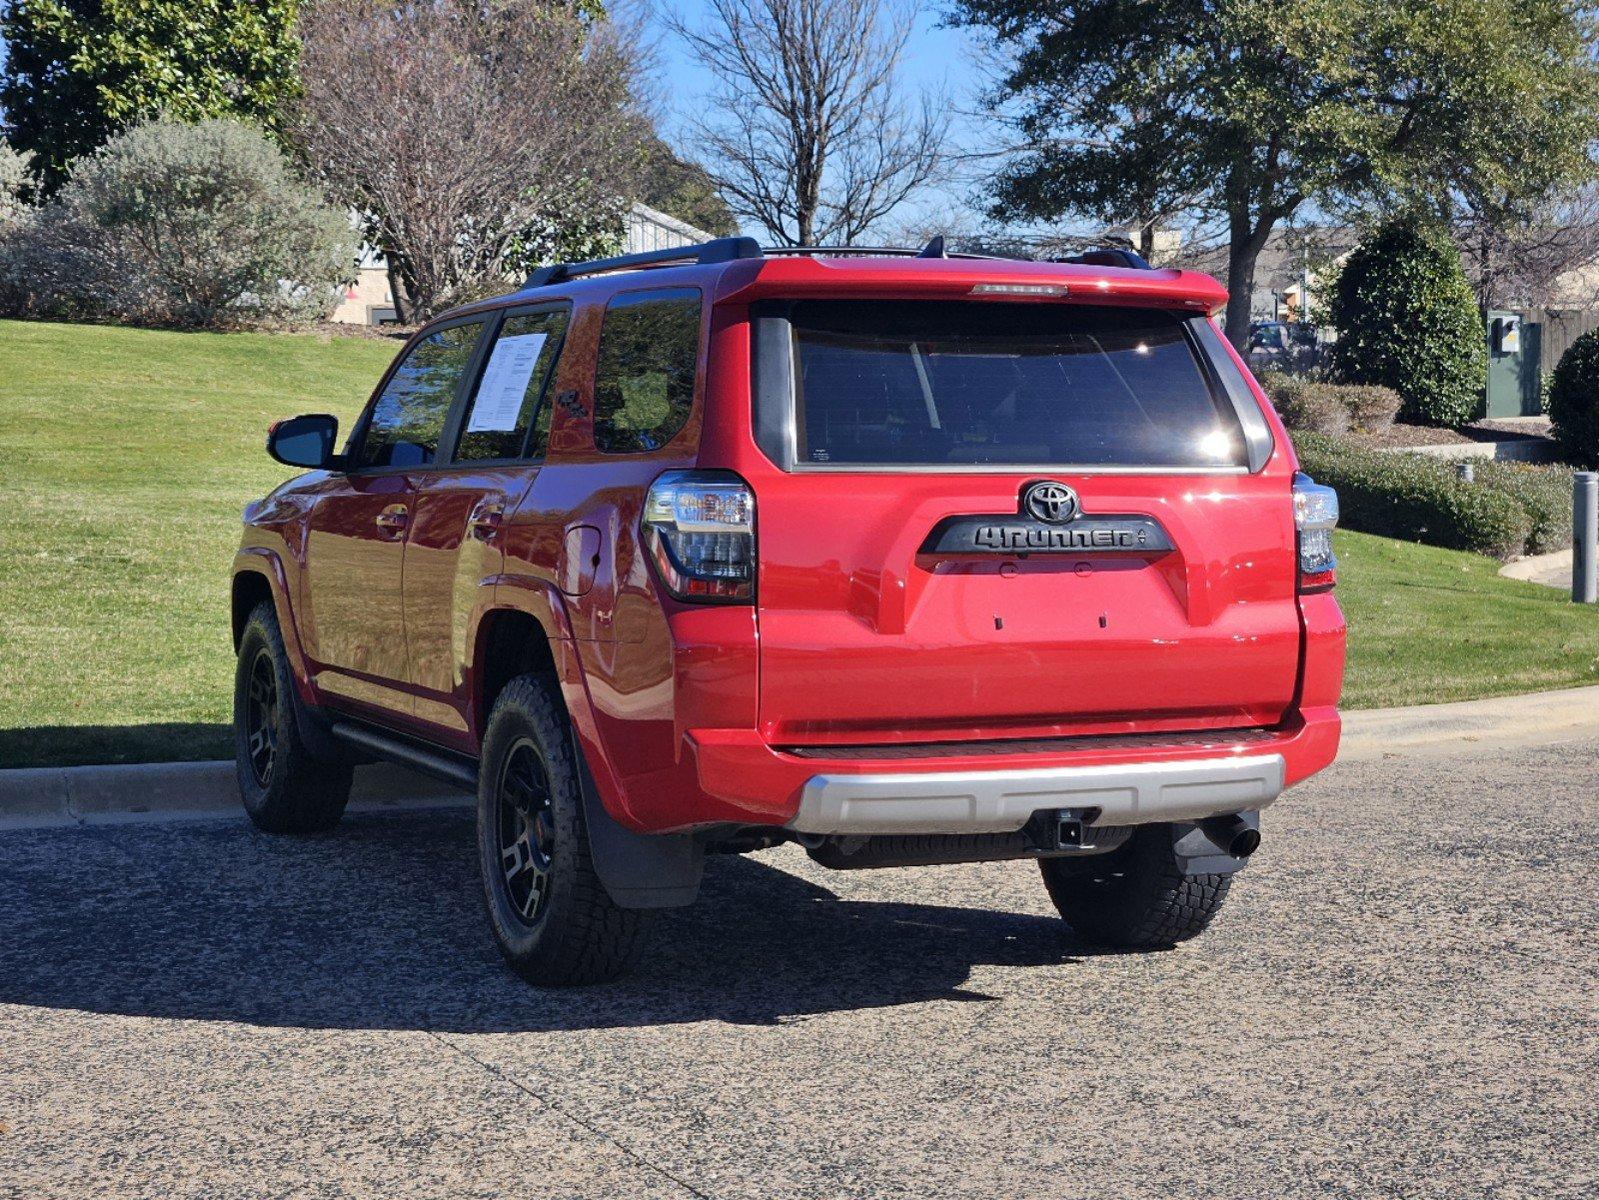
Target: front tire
x,y
552,917
285,788
1136,897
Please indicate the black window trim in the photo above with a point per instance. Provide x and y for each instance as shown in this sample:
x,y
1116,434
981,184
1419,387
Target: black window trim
x,y
480,362
695,400
490,321
773,370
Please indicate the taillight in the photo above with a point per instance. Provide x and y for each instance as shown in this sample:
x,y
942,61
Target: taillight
x,y
1315,517
700,530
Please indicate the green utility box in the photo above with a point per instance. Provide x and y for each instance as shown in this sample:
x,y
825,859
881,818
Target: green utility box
x,y
1514,361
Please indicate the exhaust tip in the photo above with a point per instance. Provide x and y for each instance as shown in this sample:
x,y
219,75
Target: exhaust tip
x,y
1235,835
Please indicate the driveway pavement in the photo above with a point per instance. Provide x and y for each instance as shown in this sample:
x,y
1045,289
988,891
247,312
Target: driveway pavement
x,y
1399,1001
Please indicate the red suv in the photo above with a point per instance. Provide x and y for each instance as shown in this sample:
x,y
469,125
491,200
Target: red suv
x,y
905,557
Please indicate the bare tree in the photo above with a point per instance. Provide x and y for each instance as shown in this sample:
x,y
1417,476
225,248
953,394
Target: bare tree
x,y
811,137
1517,257
456,127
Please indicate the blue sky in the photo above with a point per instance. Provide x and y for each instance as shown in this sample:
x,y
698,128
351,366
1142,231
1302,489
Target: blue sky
x,y
935,59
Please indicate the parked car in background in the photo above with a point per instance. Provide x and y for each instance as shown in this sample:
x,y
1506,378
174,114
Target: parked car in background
x,y
904,558
1291,346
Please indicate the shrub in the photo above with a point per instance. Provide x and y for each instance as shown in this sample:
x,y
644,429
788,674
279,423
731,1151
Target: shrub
x,y
1407,319
1574,401
1414,497
1304,404
1317,406
189,225
1371,405
16,177
1544,493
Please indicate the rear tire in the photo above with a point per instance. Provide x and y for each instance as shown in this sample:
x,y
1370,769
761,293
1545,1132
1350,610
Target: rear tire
x,y
1136,897
285,788
552,917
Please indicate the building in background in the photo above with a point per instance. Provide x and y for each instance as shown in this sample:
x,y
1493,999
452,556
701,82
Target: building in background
x,y
648,228
370,299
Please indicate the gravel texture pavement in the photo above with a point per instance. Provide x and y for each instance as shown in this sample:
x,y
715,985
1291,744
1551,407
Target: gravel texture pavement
x,y
1400,1000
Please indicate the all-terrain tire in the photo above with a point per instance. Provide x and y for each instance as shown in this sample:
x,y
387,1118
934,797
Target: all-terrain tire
x,y
552,917
1136,897
285,788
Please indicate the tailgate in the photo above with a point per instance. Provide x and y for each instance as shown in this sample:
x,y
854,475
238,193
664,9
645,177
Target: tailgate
x,y
916,585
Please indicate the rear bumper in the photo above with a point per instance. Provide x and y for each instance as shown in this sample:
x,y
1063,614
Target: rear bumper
x,y
1002,801
990,790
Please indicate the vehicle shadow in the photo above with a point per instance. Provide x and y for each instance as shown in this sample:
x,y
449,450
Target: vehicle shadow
x,y
75,745
378,925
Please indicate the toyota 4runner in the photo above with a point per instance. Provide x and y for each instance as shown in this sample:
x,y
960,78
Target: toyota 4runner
x,y
907,558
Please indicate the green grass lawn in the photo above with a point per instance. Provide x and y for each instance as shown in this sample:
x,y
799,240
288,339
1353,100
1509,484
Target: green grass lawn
x,y
125,459
126,455
1428,625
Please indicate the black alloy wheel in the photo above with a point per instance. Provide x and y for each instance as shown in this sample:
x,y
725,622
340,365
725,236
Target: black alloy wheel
x,y
526,825
261,718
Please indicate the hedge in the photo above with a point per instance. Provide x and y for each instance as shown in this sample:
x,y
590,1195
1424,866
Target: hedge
x,y
1416,498
1544,493
1317,406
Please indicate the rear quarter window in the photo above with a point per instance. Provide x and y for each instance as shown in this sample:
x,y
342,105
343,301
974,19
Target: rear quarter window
x,y
644,381
983,384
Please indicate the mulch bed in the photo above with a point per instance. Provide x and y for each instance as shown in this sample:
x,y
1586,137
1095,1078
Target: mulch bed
x,y
1397,436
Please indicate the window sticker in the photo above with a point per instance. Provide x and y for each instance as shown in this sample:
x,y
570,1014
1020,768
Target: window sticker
x,y
505,380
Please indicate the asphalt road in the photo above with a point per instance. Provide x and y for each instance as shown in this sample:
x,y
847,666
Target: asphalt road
x,y
1400,1000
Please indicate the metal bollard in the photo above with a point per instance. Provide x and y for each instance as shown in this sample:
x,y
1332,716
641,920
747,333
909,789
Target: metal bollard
x,y
1585,537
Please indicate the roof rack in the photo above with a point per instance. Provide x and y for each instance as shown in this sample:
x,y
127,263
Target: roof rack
x,y
729,249
1109,256
717,250
933,249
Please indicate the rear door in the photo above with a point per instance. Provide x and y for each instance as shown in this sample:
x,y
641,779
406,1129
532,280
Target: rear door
x,y
456,541
1014,520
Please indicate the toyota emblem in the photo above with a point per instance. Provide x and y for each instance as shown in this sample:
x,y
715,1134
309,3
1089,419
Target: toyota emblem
x,y
1050,502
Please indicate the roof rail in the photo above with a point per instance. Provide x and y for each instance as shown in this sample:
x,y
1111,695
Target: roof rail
x,y
729,249
931,250
1109,256
715,251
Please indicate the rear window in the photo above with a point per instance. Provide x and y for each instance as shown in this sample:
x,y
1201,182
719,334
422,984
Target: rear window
x,y
1005,385
644,383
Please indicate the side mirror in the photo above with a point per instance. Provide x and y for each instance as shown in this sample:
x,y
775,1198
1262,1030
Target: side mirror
x,y
306,441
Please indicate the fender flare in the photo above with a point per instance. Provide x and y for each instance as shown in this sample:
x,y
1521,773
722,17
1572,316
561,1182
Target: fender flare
x,y
637,870
265,562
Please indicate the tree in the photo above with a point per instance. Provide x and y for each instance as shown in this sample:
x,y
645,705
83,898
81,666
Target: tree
x,y
78,71
457,129
1242,111
1516,254
1407,319
177,224
684,190
811,138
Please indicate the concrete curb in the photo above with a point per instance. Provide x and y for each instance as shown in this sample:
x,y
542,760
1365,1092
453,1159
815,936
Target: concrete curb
x,y
1538,717
67,796
1551,570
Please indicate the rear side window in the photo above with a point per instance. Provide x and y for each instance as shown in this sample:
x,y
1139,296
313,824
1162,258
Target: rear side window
x,y
406,421
509,401
922,383
644,384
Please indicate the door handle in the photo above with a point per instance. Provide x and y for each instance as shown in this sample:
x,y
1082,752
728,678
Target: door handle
x,y
485,520
392,520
